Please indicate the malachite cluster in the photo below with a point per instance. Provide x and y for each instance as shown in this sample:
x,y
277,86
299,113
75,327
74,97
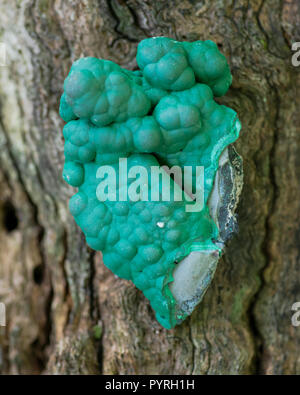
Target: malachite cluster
x,y
163,114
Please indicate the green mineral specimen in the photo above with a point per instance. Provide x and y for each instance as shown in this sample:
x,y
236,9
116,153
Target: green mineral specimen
x,y
162,115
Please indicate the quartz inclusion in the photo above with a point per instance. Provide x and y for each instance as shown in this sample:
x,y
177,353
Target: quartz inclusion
x,y
162,114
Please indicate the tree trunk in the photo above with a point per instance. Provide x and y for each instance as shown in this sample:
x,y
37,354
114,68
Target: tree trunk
x,y
67,313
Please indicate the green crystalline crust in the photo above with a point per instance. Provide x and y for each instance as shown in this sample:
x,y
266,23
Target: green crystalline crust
x,y
163,114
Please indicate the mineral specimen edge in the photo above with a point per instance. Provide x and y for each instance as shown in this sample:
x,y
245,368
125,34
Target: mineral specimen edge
x,y
162,116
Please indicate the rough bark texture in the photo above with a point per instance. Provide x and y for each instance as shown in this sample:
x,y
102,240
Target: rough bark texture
x,y
66,313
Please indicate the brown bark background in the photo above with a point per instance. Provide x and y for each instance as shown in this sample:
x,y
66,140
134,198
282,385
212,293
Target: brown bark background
x,y
66,313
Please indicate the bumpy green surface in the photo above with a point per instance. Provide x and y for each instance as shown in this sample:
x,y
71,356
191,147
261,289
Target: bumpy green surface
x,y
167,109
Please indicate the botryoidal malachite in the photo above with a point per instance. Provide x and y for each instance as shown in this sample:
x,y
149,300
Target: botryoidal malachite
x,y
162,114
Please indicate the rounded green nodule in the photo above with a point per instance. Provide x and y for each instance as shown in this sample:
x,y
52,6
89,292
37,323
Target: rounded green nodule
x,y
165,114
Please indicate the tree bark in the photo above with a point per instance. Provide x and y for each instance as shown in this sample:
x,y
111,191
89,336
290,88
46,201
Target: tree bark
x,y
67,313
